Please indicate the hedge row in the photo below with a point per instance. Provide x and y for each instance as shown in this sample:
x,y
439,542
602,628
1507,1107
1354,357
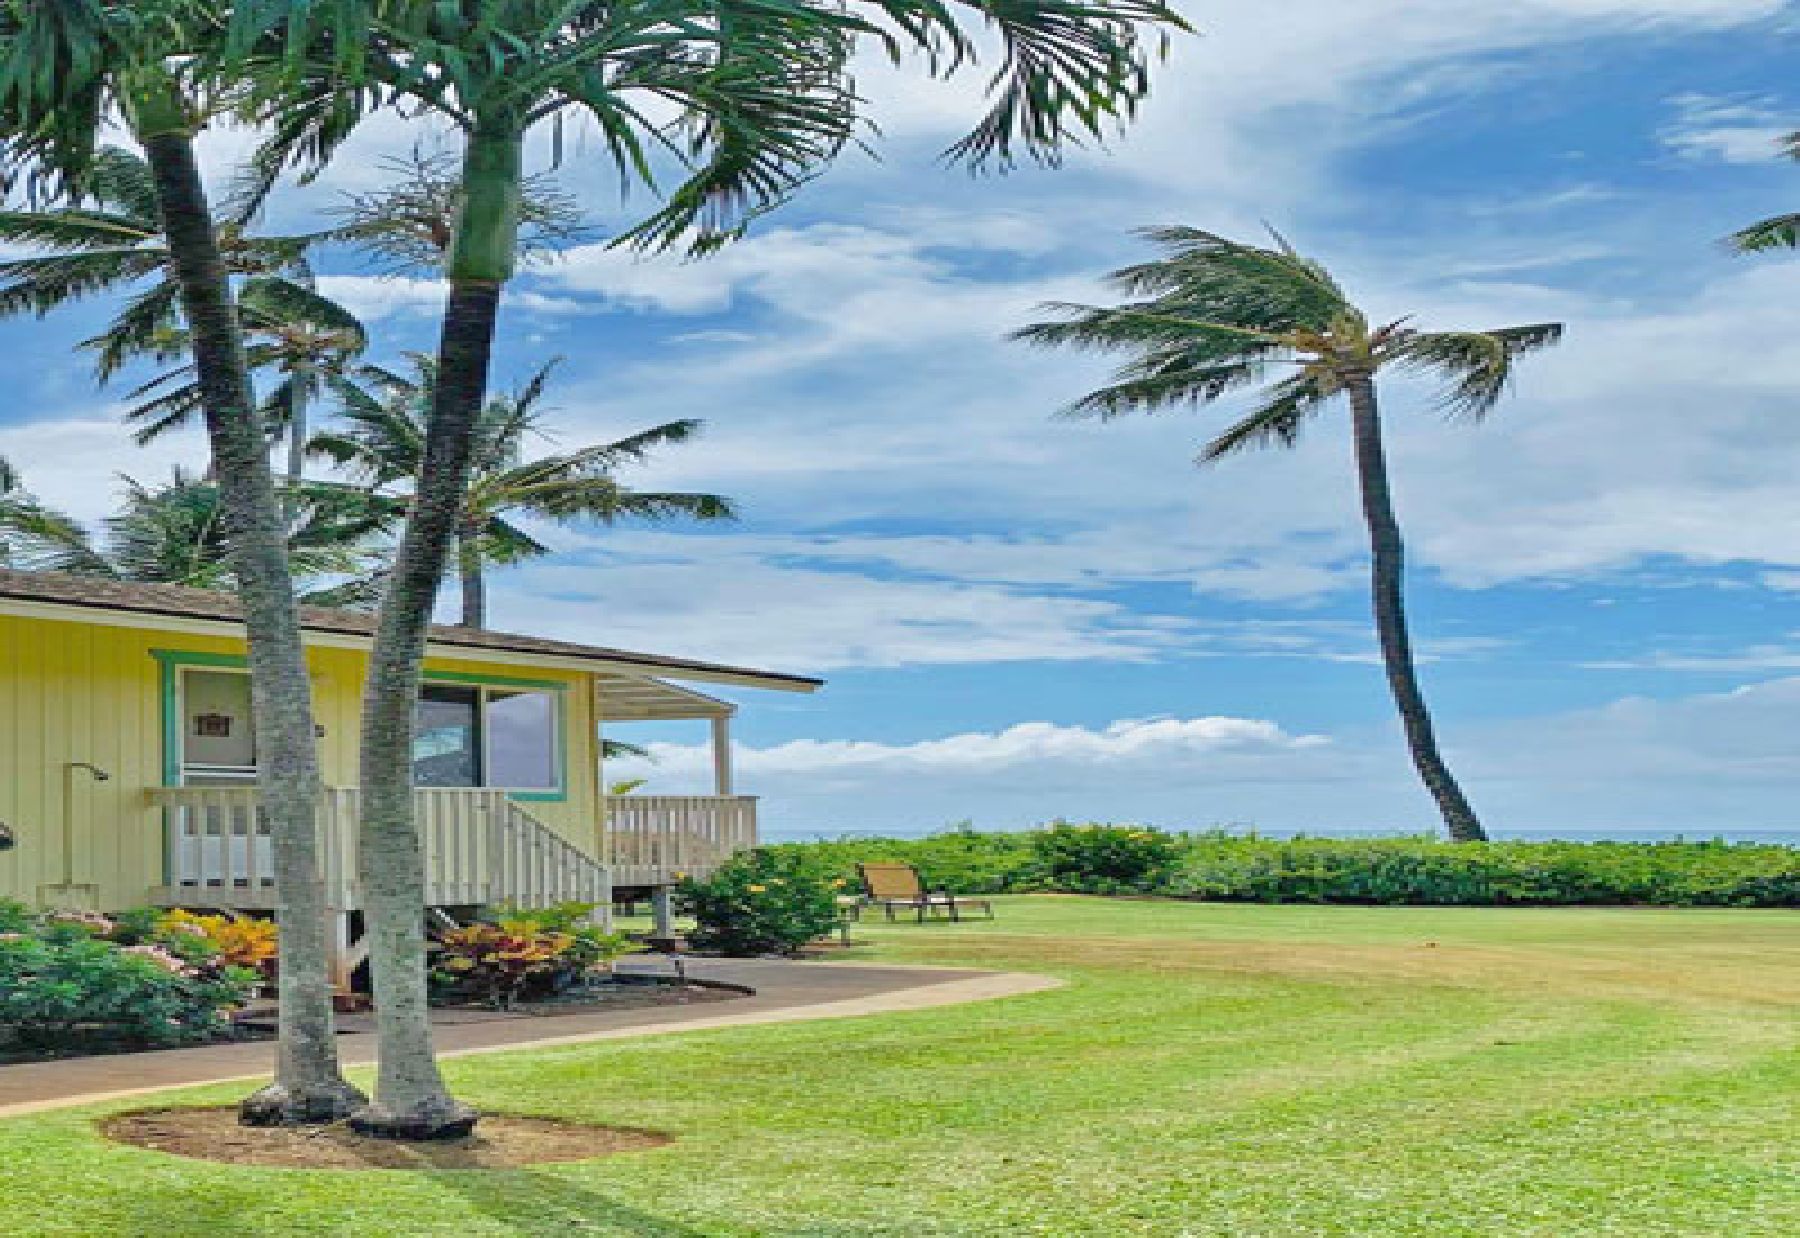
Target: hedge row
x,y
1415,871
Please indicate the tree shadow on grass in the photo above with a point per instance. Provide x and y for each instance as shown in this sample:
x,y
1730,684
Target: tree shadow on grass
x,y
534,1202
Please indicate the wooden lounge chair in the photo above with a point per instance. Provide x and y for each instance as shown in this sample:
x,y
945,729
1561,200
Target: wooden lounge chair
x,y
893,887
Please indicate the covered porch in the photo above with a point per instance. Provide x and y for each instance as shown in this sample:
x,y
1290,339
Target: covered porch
x,y
651,841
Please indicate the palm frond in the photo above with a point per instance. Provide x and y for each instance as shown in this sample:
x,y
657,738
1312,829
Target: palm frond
x,y
1275,422
1477,366
1779,232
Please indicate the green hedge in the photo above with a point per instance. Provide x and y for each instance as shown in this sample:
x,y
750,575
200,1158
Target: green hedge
x,y
1416,871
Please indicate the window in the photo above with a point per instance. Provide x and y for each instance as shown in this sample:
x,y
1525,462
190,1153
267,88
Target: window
x,y
480,736
447,738
521,739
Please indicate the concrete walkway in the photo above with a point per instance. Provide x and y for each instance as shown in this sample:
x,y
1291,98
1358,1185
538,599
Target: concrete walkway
x,y
784,992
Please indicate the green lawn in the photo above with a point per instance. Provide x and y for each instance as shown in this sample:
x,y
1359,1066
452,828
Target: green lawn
x,y
1209,1070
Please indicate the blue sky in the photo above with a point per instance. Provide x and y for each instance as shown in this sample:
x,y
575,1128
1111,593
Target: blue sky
x,y
1023,618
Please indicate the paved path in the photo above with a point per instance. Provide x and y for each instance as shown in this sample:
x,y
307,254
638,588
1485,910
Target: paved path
x,y
785,992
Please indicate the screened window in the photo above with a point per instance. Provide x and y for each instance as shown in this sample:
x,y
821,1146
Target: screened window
x,y
477,736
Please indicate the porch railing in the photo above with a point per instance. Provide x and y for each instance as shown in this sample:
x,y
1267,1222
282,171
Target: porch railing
x,y
652,838
480,847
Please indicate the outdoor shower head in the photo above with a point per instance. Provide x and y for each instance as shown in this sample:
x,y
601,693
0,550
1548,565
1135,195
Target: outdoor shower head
x,y
99,774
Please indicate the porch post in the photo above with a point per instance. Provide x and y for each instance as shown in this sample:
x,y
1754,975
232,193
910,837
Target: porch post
x,y
721,754
662,914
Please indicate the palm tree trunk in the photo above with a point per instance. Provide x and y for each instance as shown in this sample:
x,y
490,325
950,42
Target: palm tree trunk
x,y
1387,573
309,1085
473,578
411,1101
297,429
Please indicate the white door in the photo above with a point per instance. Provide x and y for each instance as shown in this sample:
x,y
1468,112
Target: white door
x,y
225,843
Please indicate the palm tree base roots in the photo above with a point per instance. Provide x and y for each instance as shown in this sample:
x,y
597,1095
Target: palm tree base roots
x,y
280,1105
444,1119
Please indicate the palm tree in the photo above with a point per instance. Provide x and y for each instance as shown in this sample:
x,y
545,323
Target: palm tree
x,y
174,533
111,242
27,523
408,226
1214,316
311,342
763,99
66,71
382,442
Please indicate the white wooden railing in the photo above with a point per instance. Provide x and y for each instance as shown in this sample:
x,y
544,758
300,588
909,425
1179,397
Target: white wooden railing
x,y
479,847
652,838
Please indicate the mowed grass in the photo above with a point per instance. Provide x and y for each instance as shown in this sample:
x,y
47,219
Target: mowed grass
x,y
1207,1070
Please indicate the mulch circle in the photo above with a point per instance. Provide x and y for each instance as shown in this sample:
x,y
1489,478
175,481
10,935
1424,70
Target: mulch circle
x,y
499,1142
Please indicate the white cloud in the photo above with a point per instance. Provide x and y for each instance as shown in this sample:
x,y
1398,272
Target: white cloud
x,y
373,298
739,608
1702,764
1028,745
1731,130
73,464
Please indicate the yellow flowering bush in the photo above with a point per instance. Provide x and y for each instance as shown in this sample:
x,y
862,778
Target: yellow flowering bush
x,y
760,902
1105,859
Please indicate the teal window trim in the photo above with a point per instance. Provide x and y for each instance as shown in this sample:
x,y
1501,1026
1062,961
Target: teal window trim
x,y
171,662
551,795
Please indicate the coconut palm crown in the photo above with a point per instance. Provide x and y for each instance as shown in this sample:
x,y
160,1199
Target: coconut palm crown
x,y
381,441
1213,317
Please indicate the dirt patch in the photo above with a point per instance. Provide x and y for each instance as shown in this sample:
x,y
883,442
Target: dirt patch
x,y
499,1142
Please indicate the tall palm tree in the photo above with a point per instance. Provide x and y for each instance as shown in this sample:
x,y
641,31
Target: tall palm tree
x,y
382,442
1213,316
763,99
67,70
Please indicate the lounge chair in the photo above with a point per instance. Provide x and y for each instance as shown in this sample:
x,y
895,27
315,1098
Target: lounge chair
x,y
898,887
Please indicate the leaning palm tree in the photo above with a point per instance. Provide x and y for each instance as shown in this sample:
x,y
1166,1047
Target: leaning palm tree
x,y
382,443
749,100
1214,316
68,72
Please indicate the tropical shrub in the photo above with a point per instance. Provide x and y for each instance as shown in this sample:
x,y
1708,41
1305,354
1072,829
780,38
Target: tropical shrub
x,y
518,954
1425,871
243,942
961,859
495,963
67,982
765,901
1398,870
1105,859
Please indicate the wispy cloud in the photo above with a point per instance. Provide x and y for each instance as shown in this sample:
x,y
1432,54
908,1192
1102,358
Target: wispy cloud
x,y
1731,129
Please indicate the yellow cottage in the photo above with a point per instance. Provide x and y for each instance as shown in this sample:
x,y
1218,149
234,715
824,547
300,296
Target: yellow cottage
x,y
127,762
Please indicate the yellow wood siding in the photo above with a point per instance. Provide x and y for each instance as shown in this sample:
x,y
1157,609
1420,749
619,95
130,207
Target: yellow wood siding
x,y
79,691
